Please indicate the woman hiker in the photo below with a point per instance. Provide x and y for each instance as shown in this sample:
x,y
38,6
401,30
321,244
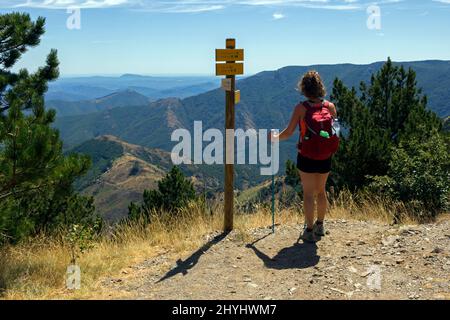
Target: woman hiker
x,y
318,142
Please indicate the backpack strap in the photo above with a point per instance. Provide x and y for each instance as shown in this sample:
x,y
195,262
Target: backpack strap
x,y
308,108
303,125
308,105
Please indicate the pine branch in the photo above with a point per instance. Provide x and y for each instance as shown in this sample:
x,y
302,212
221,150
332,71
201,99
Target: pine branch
x,y
18,192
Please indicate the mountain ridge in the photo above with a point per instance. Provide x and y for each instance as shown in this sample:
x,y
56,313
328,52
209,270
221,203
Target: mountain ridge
x,y
112,100
121,171
267,100
90,87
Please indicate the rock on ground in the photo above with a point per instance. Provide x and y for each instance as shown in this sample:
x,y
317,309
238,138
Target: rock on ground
x,y
356,260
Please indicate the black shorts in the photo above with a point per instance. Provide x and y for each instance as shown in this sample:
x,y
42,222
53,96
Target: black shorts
x,y
313,166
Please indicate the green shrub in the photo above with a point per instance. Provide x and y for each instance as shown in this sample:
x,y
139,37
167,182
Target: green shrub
x,y
174,192
418,175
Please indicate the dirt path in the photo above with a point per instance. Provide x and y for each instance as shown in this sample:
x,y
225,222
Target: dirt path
x,y
356,260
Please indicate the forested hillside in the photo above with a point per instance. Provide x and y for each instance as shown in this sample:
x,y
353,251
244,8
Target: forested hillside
x,y
267,102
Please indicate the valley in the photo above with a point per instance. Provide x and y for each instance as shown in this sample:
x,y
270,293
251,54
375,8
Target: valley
x,y
139,126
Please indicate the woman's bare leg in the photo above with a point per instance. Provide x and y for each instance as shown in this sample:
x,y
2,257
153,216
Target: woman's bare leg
x,y
322,201
309,189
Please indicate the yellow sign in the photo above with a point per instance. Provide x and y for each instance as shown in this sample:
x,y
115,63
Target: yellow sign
x,y
229,69
230,43
237,96
229,54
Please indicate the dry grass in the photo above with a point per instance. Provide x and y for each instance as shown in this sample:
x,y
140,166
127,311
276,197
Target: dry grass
x,y
36,269
367,207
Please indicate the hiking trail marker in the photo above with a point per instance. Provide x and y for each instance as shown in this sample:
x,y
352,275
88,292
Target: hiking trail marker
x,y
237,96
226,84
230,68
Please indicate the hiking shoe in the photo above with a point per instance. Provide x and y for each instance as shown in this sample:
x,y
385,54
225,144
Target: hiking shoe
x,y
308,236
319,230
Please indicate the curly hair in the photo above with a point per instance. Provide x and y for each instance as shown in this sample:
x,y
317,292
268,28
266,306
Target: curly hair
x,y
311,85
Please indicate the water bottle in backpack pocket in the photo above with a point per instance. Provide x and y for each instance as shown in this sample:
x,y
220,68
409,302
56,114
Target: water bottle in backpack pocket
x,y
336,127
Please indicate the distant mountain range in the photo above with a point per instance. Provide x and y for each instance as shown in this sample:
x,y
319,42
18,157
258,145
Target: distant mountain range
x,y
81,90
267,100
110,101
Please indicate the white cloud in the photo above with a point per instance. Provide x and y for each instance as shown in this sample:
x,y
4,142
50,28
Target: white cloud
x,y
185,6
64,4
312,4
278,16
173,7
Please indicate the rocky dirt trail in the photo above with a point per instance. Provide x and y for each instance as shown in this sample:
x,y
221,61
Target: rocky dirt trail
x,y
355,260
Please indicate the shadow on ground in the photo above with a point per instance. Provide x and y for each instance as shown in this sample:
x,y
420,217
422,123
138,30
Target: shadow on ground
x,y
298,256
183,266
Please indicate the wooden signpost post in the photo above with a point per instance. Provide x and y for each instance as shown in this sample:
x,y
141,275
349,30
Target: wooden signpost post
x,y
229,69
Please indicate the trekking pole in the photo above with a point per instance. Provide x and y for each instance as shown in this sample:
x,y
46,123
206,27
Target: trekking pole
x,y
273,189
273,203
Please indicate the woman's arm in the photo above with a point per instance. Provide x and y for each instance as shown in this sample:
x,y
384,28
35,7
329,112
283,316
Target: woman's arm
x,y
333,111
299,113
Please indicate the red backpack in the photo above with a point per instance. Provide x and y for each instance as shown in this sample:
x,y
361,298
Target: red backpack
x,y
317,139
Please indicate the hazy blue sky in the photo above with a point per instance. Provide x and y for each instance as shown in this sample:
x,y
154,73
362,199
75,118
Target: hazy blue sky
x,y
179,36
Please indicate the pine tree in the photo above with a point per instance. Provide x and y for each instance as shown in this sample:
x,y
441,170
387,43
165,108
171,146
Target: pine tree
x,y
174,193
292,176
35,177
388,110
